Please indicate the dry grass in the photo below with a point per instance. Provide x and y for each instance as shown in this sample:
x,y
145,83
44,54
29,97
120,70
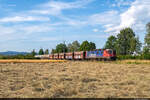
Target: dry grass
x,y
29,61
74,79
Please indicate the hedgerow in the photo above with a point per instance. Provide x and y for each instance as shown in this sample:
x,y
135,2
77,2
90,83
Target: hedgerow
x,y
142,57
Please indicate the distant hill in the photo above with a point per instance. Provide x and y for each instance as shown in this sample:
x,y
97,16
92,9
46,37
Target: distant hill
x,y
12,53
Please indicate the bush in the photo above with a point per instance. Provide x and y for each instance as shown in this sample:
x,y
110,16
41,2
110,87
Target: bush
x,y
142,57
146,56
27,56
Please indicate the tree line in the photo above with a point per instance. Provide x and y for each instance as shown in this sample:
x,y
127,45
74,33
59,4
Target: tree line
x,y
127,44
71,47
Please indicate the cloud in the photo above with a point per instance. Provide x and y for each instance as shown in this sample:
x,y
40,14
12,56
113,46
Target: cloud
x,y
24,19
119,3
104,18
34,29
23,31
136,17
5,31
95,30
74,22
46,39
56,7
138,13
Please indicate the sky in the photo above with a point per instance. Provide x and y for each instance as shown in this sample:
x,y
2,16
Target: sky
x,y
33,24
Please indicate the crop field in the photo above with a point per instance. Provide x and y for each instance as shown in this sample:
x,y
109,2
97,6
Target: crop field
x,y
72,79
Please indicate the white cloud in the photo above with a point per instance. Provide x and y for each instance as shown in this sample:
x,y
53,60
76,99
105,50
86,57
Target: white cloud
x,y
21,32
104,18
45,39
74,22
95,30
33,29
56,7
24,19
5,31
136,17
138,13
120,3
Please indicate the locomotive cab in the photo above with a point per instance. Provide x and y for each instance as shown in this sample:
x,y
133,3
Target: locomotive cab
x,y
110,54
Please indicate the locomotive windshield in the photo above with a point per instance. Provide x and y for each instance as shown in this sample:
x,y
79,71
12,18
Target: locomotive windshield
x,y
110,51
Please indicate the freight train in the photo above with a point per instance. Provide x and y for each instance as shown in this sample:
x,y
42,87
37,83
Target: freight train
x,y
98,54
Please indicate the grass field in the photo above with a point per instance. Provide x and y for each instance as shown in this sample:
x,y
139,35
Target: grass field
x,y
55,61
75,79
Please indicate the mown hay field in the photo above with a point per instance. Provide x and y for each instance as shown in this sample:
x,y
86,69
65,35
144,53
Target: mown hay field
x,y
74,79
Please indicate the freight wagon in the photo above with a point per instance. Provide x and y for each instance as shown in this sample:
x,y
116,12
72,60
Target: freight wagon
x,y
62,56
51,56
42,56
70,56
56,56
98,54
79,55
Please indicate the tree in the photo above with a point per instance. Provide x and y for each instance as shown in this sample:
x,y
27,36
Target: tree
x,y
41,52
92,46
147,40
148,27
111,43
33,53
85,46
138,45
75,46
53,51
60,48
127,43
70,47
46,51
